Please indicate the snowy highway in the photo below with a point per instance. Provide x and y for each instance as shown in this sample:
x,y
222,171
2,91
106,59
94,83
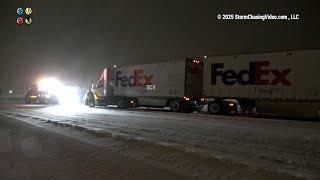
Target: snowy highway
x,y
285,146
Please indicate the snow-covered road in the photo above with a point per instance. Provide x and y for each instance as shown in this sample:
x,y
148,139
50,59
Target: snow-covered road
x,y
287,146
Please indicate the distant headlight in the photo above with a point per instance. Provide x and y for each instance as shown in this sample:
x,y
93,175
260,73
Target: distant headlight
x,y
47,96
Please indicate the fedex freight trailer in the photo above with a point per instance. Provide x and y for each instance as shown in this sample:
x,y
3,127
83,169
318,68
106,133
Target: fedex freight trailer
x,y
176,84
283,83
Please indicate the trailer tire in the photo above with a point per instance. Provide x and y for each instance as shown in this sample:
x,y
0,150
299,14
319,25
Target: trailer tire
x,y
214,108
175,106
134,103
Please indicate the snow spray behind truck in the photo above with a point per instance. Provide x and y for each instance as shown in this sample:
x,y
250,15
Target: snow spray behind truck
x,y
282,83
176,84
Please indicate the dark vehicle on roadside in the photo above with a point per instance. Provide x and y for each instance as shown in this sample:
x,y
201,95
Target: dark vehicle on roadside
x,y
35,96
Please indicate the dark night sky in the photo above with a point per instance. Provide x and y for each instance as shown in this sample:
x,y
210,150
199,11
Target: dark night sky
x,y
74,39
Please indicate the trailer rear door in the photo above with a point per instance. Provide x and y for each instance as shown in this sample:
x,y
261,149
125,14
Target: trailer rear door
x,y
194,78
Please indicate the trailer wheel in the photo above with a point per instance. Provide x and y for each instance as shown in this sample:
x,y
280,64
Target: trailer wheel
x,y
175,106
134,103
214,108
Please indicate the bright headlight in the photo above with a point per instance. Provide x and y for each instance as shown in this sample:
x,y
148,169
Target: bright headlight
x,y
65,94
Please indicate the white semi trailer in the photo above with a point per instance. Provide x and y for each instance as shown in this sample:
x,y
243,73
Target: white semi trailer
x,y
282,83
176,84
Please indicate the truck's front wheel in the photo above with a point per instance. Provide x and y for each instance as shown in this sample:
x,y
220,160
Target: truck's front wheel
x,y
92,104
27,101
214,108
